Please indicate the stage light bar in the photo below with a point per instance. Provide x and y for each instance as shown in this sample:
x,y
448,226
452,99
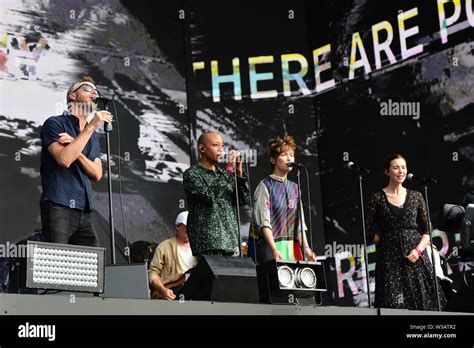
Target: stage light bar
x,y
279,279
64,267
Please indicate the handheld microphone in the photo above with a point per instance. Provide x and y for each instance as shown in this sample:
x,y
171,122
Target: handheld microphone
x,y
97,99
234,153
352,165
427,180
234,156
295,165
231,156
103,100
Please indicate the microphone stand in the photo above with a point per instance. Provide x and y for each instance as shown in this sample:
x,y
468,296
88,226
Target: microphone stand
x,y
300,203
239,235
366,258
108,129
438,302
247,167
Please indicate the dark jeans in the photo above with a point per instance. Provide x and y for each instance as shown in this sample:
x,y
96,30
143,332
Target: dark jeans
x,y
64,225
264,253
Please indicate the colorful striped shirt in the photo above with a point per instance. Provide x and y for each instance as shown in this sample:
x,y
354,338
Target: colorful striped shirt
x,y
276,207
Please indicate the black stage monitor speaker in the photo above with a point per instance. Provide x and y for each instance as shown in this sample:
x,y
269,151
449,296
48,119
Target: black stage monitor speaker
x,y
222,279
127,281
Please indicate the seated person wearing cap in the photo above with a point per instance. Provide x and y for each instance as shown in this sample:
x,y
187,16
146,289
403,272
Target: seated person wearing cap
x,y
172,259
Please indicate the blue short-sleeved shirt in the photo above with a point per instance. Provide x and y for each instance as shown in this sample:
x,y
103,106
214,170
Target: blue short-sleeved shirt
x,y
67,186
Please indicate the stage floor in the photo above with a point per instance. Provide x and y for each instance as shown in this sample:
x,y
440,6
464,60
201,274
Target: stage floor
x,y
70,304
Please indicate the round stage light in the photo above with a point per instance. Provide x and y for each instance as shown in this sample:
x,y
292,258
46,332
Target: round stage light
x,y
305,278
285,276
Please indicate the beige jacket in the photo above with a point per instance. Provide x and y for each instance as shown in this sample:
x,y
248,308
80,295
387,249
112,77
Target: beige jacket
x,y
165,263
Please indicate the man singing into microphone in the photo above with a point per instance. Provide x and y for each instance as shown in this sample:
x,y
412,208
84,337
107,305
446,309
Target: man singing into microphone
x,y
210,192
69,161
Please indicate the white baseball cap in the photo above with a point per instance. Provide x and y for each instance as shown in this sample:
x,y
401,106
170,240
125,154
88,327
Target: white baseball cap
x,y
182,218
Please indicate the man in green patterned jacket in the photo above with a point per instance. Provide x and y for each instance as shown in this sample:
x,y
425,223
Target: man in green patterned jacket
x,y
210,192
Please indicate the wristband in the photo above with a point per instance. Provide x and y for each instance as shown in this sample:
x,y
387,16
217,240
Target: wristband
x,y
418,250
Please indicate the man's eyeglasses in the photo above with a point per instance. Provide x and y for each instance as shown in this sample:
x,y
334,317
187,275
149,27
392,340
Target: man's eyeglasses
x,y
87,88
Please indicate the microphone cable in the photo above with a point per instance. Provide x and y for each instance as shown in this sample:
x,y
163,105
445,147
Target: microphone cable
x,y
120,184
310,209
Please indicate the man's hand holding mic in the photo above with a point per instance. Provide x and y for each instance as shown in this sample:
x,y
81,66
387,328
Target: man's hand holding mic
x,y
99,117
234,160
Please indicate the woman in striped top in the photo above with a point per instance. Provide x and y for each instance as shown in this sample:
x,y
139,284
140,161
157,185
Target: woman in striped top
x,y
276,228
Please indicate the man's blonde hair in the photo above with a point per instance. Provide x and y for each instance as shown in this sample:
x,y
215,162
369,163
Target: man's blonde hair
x,y
77,84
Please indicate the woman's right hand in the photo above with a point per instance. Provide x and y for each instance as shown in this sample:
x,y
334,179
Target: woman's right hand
x,y
413,256
276,254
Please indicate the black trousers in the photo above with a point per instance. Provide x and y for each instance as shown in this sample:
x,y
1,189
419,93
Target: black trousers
x,y
65,225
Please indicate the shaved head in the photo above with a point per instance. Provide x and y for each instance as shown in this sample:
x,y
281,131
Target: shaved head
x,y
210,146
207,137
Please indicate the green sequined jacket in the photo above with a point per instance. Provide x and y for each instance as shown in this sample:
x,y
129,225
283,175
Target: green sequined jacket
x,y
212,220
